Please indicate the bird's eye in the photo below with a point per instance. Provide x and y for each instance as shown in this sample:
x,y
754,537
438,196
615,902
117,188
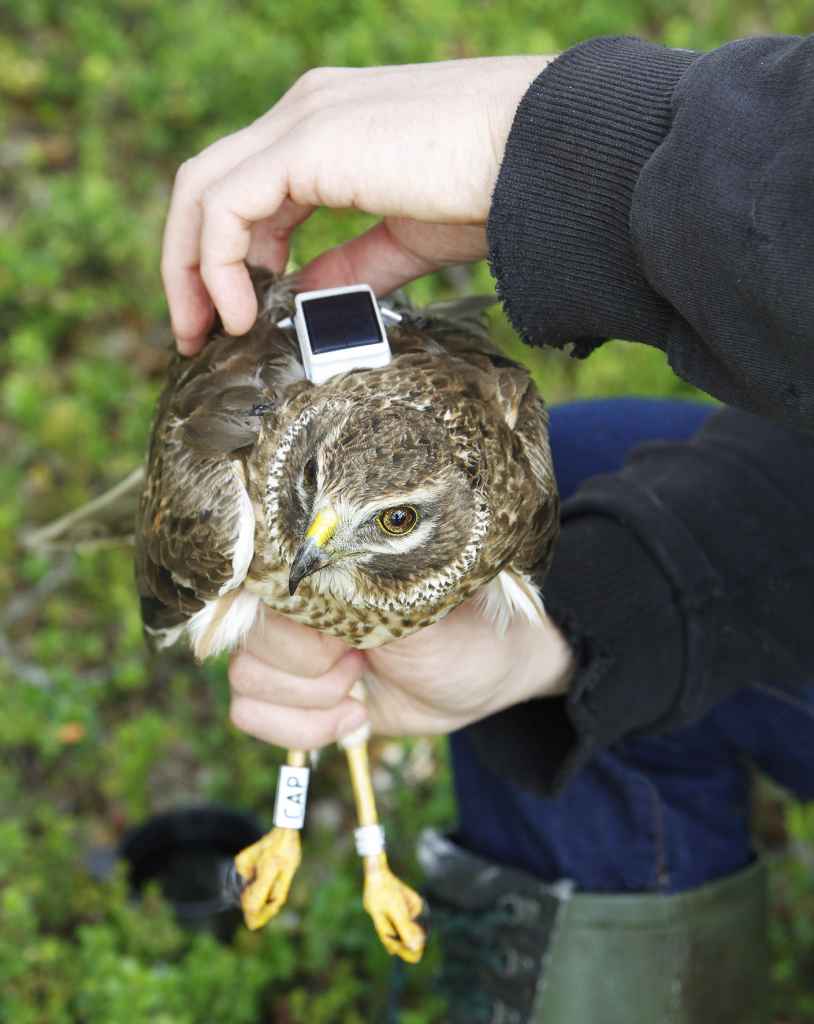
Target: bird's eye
x,y
397,521
309,473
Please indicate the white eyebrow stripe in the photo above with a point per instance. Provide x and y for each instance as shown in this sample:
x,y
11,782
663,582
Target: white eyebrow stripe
x,y
419,496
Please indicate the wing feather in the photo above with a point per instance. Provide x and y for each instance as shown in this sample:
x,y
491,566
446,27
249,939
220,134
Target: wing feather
x,y
196,527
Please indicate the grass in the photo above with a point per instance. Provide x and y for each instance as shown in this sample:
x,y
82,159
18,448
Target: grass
x,y
99,103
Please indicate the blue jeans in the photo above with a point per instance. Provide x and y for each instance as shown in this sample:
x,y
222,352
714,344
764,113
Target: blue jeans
x,y
654,813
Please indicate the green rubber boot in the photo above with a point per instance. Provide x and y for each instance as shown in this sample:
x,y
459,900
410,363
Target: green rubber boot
x,y
518,951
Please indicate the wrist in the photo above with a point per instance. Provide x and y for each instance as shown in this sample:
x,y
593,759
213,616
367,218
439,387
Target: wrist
x,y
549,663
541,664
520,73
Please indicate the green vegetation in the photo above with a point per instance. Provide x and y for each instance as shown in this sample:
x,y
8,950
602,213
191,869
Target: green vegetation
x,y
99,103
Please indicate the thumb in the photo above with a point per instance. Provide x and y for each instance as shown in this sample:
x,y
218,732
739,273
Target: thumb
x,y
378,257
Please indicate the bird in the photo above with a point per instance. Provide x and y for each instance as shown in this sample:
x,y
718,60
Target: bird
x,y
368,507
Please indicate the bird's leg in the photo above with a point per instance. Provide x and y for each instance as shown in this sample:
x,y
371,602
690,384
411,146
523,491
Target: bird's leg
x,y
393,905
268,866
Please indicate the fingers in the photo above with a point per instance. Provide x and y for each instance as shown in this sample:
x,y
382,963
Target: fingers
x,y
290,685
393,253
420,144
256,680
377,257
344,139
269,238
296,728
291,647
190,306
258,189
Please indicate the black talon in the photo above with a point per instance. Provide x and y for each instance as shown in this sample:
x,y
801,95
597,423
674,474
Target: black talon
x,y
233,884
424,918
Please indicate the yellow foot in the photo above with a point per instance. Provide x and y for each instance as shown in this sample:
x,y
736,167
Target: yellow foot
x,y
268,868
394,908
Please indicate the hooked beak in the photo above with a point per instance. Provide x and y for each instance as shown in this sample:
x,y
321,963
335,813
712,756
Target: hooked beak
x,y
311,555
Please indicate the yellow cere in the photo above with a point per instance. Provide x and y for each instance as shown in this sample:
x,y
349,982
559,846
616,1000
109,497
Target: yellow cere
x,y
323,527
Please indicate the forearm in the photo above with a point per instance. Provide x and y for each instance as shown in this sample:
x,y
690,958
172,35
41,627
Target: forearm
x,y
659,196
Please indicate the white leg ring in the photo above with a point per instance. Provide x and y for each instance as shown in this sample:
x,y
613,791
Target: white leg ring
x,y
369,840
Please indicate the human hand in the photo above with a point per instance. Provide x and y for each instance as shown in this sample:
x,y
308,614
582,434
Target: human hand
x,y
418,144
291,685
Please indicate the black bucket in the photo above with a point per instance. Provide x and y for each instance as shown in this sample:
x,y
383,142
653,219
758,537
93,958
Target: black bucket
x,y
189,853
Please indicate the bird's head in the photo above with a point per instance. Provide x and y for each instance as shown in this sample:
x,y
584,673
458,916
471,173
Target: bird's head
x,y
374,503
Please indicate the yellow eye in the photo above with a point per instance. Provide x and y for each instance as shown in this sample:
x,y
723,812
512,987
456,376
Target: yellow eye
x,y
397,521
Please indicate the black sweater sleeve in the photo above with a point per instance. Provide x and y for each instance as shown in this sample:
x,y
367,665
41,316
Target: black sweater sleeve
x,y
686,575
665,196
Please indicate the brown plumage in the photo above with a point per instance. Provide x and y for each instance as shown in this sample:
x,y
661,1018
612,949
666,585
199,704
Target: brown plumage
x,y
245,452
367,507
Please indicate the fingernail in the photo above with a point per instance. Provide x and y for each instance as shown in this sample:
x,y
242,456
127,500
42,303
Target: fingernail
x,y
350,722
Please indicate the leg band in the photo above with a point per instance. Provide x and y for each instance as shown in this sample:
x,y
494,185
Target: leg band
x,y
291,797
369,840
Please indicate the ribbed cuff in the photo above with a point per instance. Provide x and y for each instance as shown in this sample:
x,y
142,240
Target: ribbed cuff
x,y
559,226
